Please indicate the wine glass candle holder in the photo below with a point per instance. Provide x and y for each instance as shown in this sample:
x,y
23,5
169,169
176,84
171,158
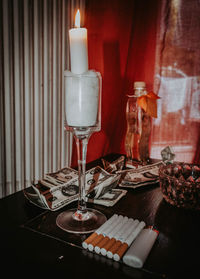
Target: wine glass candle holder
x,y
83,117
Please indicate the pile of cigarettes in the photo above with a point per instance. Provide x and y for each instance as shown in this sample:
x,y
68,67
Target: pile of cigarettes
x,y
117,234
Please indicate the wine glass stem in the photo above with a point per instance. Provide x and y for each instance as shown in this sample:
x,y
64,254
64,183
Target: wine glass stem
x,y
81,143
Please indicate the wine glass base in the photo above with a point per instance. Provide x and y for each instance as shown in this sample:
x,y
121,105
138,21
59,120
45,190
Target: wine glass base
x,y
67,221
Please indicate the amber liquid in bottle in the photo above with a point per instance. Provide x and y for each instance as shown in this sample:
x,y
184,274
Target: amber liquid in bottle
x,y
138,127
134,129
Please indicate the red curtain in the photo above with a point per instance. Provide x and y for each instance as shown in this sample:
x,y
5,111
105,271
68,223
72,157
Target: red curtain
x,y
121,46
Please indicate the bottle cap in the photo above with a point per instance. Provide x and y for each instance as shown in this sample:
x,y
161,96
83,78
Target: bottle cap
x,y
139,84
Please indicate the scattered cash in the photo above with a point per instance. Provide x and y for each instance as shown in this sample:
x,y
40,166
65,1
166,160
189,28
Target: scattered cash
x,y
61,188
142,176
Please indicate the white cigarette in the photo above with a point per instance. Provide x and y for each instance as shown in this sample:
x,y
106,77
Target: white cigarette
x,y
124,229
130,229
128,241
141,247
135,233
102,231
86,242
107,232
112,234
130,226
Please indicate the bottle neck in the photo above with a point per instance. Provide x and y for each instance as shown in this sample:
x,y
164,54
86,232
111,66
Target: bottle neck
x,y
139,91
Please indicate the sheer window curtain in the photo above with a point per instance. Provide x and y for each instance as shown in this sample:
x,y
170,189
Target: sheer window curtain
x,y
177,80
33,53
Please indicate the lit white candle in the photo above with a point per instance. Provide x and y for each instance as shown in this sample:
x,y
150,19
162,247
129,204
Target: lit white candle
x,y
78,47
82,86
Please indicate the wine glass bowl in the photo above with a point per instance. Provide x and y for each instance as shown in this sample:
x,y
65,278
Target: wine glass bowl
x,y
83,117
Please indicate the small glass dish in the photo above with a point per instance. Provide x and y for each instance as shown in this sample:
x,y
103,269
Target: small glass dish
x,y
180,185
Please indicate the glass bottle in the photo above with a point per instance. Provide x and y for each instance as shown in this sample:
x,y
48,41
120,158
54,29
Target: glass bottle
x,y
138,127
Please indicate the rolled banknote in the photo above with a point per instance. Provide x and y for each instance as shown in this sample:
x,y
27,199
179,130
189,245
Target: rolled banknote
x,y
167,154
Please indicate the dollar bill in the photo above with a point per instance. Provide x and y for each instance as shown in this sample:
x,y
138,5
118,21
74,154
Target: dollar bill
x,y
110,198
61,177
60,197
104,186
142,176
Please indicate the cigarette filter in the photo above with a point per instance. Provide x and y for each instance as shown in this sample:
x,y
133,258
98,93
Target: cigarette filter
x,y
140,248
107,234
128,228
112,235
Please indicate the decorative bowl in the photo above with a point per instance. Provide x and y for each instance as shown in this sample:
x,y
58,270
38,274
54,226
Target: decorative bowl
x,y
180,184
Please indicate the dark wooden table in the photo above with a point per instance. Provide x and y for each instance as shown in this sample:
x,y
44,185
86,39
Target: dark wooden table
x,y
32,244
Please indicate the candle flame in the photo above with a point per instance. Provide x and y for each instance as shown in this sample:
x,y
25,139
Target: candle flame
x,y
77,19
